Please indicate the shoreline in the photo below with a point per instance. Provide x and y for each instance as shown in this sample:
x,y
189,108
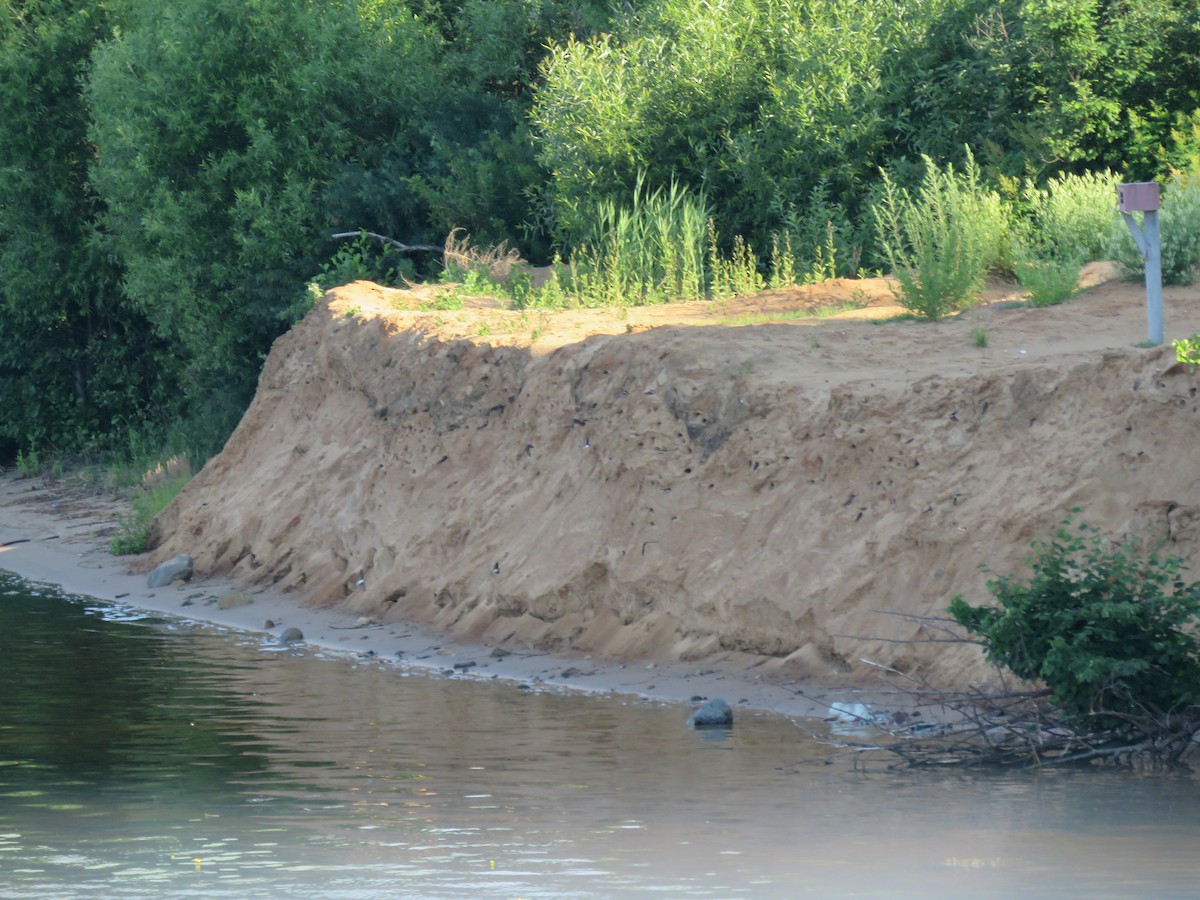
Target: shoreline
x,y
53,533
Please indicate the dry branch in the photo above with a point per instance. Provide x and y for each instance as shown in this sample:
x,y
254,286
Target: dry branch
x,y
383,238
1002,727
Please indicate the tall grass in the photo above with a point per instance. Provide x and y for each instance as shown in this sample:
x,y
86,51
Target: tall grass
x,y
732,276
648,251
159,487
660,247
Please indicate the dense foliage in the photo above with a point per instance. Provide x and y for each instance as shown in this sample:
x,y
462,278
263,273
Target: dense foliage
x,y
221,200
171,172
1110,633
76,359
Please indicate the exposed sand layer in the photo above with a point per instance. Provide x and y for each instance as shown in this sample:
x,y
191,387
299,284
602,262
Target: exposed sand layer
x,y
701,483
59,532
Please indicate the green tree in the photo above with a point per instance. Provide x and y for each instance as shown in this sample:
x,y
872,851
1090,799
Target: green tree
x,y
757,104
482,174
233,137
78,365
1039,86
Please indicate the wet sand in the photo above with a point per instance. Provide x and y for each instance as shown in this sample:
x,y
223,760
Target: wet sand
x,y
54,533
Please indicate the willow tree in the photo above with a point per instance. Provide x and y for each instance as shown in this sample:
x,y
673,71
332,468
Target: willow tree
x,y
78,366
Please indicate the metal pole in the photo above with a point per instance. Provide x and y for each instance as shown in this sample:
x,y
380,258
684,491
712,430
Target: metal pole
x,y
1147,240
1154,297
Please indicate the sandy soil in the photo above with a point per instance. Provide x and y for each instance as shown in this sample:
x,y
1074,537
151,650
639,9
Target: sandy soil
x,y
635,497
58,532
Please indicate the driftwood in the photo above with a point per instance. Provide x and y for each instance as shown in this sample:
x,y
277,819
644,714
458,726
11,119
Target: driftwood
x,y
1005,726
384,239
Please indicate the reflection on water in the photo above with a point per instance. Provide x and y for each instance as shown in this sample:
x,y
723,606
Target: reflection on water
x,y
145,758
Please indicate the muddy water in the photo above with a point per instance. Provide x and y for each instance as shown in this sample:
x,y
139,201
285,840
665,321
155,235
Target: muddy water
x,y
149,758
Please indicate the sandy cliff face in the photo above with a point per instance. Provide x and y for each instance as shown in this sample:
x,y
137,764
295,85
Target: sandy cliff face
x,y
693,488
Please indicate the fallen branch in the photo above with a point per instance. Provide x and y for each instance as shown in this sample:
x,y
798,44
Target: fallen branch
x,y
383,238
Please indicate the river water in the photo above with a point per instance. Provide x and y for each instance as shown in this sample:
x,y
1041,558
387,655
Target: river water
x,y
143,757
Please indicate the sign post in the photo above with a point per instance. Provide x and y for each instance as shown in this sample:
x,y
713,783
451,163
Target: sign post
x,y
1143,197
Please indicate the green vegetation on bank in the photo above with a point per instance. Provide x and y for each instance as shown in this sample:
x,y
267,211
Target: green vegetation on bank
x,y
172,173
1110,632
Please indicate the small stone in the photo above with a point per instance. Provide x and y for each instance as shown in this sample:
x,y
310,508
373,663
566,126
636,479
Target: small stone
x,y
178,569
186,603
270,623
467,664
291,635
233,600
713,714
364,622
571,672
499,653
698,699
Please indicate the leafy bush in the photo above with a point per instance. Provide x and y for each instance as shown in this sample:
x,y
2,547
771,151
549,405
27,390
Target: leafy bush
x,y
1179,234
755,102
1073,217
940,240
363,259
1049,281
1187,351
1111,634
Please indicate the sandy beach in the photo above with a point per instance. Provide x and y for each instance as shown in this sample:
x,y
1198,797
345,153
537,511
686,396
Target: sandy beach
x,y
51,532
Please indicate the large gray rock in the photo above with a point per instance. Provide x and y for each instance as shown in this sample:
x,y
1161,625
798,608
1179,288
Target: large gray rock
x,y
713,714
177,569
291,636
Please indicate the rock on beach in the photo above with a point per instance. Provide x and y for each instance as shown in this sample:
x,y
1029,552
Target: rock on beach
x,y
713,714
178,569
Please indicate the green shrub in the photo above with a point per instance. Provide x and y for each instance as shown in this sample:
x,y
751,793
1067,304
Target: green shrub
x,y
29,463
825,242
1073,217
1187,351
755,102
940,240
1111,634
1050,281
1179,234
365,259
